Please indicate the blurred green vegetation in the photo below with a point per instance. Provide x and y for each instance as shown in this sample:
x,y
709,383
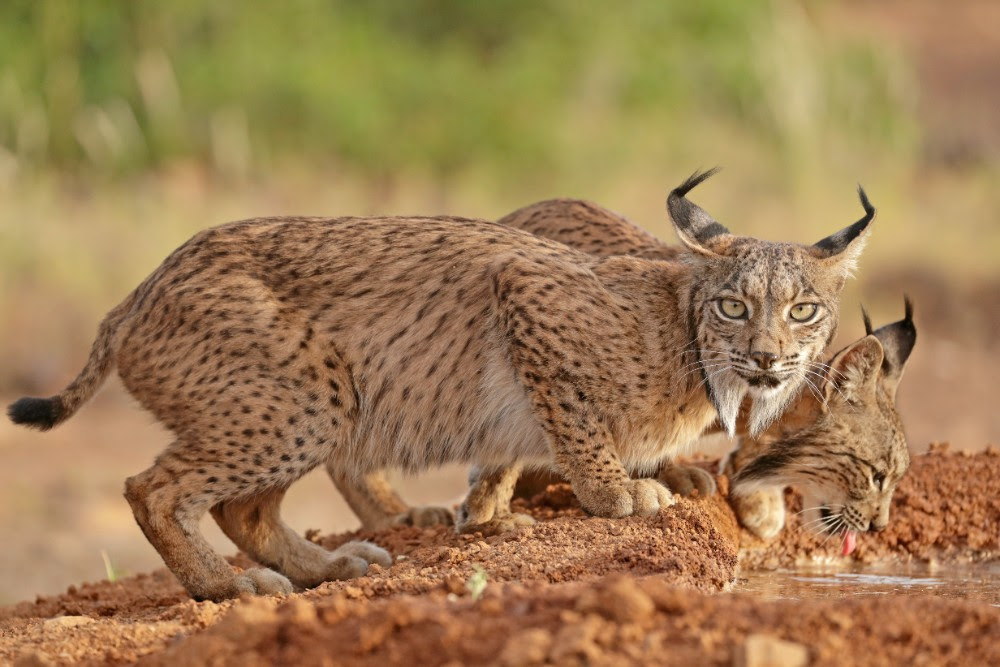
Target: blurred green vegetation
x,y
127,126
516,89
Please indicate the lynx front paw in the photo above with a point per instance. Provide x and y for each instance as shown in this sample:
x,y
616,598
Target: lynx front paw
x,y
501,524
761,512
425,516
687,479
638,497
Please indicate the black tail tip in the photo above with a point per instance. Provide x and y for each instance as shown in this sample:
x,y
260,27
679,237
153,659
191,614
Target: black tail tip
x,y
40,413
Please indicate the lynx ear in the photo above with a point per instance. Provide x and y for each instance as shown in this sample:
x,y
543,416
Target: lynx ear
x,y
694,226
897,341
855,370
845,246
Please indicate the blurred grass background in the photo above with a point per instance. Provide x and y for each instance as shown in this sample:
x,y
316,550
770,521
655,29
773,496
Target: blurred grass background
x,y
126,127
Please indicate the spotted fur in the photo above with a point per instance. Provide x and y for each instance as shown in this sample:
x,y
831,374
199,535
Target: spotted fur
x,y
273,345
842,440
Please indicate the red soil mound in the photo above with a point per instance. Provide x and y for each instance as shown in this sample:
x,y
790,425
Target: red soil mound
x,y
558,592
619,620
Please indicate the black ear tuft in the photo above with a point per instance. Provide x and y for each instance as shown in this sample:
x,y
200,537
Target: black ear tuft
x,y
898,340
41,413
868,321
694,225
838,242
694,180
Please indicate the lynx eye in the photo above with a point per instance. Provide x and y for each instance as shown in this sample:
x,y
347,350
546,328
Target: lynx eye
x,y
734,309
803,312
879,480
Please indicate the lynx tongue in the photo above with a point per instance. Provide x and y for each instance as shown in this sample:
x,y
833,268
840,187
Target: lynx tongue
x,y
849,543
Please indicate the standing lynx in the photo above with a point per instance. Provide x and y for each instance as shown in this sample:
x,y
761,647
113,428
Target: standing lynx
x,y
273,345
841,441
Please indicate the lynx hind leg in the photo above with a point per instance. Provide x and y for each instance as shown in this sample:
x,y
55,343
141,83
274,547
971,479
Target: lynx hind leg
x,y
377,504
761,512
259,427
486,509
687,479
254,524
168,502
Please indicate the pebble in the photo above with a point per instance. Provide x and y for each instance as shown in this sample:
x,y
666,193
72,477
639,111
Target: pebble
x,y
67,622
761,650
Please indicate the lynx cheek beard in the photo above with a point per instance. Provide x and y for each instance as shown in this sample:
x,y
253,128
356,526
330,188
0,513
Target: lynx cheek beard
x,y
767,404
727,392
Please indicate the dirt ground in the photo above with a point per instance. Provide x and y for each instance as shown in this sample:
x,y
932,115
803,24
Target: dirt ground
x,y
571,590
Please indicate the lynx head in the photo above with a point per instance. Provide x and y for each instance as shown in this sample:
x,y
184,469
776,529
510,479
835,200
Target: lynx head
x,y
850,459
761,312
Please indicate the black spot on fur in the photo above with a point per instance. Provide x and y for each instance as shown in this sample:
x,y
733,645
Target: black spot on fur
x,y
40,413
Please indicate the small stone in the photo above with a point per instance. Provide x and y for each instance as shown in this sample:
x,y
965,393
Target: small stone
x,y
577,641
528,647
766,651
33,659
621,600
67,622
455,584
300,612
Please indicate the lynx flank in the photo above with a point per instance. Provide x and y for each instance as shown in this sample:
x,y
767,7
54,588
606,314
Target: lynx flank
x,y
273,345
841,441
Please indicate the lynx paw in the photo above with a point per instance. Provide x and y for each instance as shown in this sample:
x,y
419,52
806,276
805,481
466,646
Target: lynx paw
x,y
686,479
497,525
638,497
345,567
366,551
260,581
425,516
761,512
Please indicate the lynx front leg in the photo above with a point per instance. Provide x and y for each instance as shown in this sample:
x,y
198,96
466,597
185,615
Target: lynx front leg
x,y
762,511
377,504
600,482
486,509
570,343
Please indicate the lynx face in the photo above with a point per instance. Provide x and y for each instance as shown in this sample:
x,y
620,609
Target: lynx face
x,y
763,312
849,461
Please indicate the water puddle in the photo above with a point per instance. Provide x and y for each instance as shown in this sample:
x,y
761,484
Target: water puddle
x,y
980,582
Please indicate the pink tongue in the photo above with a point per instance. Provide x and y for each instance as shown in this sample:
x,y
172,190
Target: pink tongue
x,y
849,543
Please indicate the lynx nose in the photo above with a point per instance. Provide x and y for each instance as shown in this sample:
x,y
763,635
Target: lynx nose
x,y
764,359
